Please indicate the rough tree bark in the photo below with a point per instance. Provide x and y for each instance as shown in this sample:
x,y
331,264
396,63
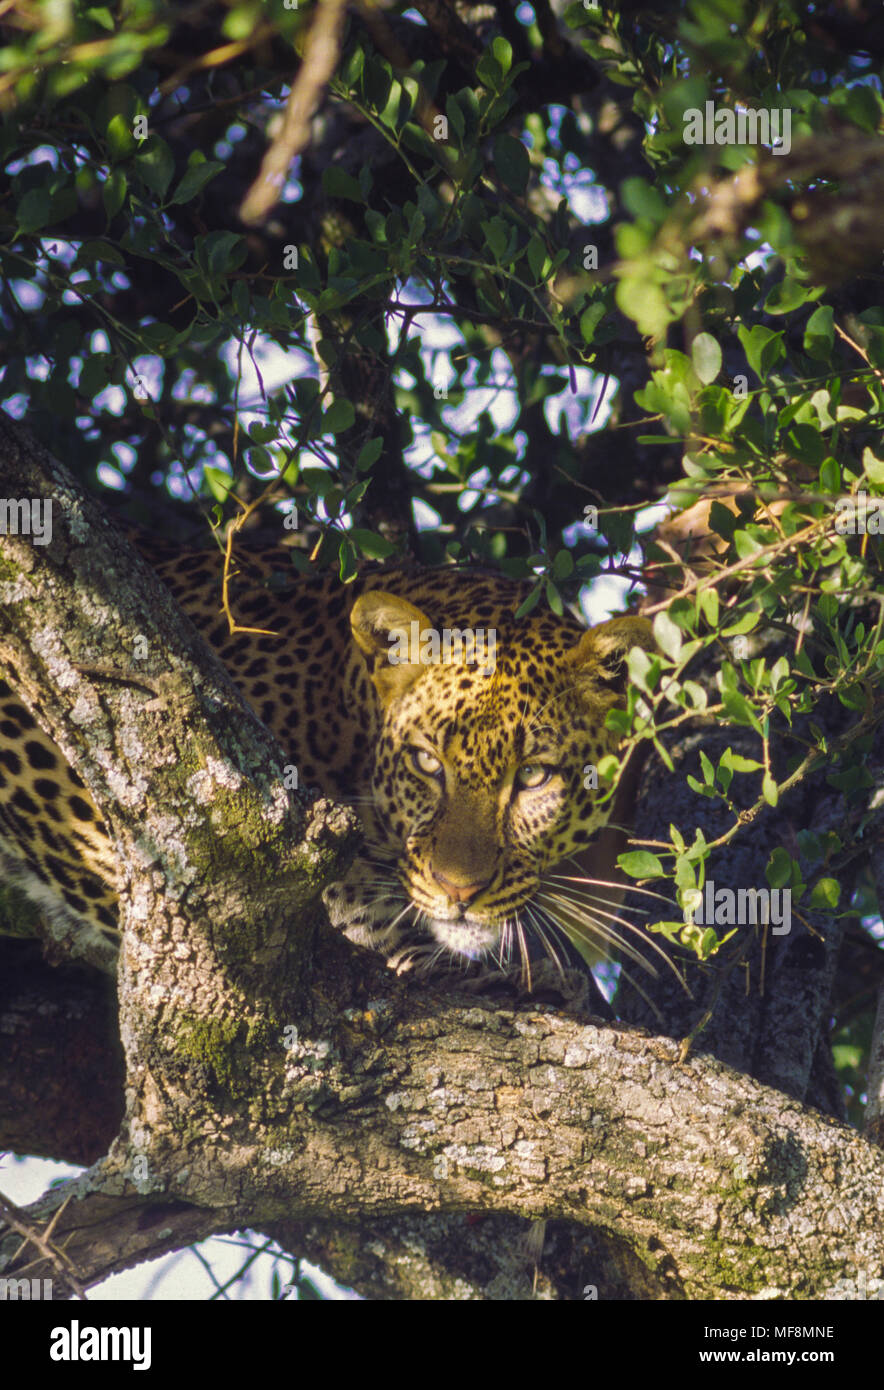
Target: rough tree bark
x,y
279,1078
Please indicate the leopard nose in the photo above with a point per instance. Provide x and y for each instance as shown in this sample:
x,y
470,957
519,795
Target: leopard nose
x,y
458,891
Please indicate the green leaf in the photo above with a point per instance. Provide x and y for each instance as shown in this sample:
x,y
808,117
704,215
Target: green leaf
x,y
643,200
696,694
156,165
778,870
488,71
699,787
194,180
819,333
218,482
100,14
810,846
763,348
807,443
512,163
739,710
643,302
554,598
788,295
339,417
92,252
158,337
873,468
538,259
530,602
263,434
497,236
241,300
830,475
668,635
95,374
120,138
708,601
826,894
33,210
589,322
746,623
640,863
369,454
737,763
455,118
113,193
502,50
348,562
769,789
219,252
863,108
339,184
372,545
563,564
706,357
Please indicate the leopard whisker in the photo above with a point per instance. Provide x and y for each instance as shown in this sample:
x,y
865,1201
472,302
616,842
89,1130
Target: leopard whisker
x,y
608,933
398,918
594,899
506,943
626,974
586,910
523,951
601,929
594,933
589,902
609,883
390,886
537,919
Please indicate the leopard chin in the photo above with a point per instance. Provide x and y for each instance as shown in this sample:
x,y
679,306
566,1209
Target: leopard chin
x,y
473,940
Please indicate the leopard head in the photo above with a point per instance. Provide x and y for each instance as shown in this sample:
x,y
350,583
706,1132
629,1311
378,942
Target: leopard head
x,y
479,783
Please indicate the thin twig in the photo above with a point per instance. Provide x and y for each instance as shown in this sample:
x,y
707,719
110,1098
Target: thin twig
x,y
53,1254
322,50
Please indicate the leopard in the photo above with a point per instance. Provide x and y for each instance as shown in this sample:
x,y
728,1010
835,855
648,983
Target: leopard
x,y
466,765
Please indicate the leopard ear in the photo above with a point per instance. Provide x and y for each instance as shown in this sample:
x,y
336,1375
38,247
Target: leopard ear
x,y
387,629
601,653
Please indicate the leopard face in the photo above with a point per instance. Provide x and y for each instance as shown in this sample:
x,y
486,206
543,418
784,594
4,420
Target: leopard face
x,y
479,780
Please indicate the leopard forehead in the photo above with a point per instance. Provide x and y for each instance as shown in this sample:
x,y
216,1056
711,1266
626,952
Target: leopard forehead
x,y
481,718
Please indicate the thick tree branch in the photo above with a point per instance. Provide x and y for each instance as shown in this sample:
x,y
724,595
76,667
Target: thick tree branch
x,y
455,1109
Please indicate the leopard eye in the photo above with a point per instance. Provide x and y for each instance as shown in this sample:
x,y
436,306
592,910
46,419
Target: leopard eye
x,y
530,776
426,762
